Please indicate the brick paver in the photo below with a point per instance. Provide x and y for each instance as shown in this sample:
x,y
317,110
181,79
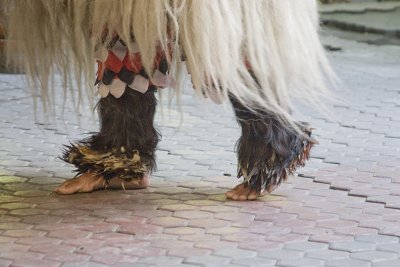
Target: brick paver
x,y
342,210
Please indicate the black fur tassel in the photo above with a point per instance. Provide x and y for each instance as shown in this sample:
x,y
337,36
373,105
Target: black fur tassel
x,y
267,151
125,146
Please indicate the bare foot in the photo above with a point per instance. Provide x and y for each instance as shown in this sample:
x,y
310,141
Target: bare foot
x,y
243,193
89,182
118,183
84,183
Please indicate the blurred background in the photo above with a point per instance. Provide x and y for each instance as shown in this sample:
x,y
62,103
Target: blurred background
x,y
369,21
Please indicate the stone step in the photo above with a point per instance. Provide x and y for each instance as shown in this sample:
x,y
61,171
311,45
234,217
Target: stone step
x,y
359,7
370,17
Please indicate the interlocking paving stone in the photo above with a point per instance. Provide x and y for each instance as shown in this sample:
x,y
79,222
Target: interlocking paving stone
x,y
387,263
216,244
188,252
169,222
390,247
235,253
348,263
254,262
67,257
184,231
352,246
163,260
306,246
328,255
282,254
374,256
11,179
378,239
301,263
208,223
207,260
83,264
5,263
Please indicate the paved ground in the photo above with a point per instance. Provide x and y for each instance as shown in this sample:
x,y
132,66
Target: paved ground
x,y
342,210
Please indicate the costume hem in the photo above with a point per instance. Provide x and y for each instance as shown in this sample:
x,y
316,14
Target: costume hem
x,y
108,164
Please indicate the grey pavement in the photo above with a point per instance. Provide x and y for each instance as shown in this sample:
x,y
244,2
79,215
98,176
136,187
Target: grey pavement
x,y
343,208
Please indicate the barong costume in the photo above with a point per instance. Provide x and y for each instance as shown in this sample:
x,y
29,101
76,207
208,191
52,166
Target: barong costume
x,y
256,54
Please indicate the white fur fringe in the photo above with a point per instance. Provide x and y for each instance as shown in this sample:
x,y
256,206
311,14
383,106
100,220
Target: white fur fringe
x,y
219,39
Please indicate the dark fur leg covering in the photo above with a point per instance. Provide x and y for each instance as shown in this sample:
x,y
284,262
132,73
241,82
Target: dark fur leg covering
x,y
127,140
267,151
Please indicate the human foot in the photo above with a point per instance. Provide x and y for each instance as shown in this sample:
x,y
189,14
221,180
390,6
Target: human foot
x,y
118,183
243,192
84,183
89,182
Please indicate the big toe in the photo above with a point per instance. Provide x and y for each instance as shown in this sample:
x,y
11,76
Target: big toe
x,y
64,189
253,195
243,195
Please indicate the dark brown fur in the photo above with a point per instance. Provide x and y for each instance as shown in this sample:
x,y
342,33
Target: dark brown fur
x,y
127,135
267,151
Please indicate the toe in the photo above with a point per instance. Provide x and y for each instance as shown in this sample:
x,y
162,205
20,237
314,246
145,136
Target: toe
x,y
242,197
58,190
65,187
253,195
233,194
243,193
229,194
235,197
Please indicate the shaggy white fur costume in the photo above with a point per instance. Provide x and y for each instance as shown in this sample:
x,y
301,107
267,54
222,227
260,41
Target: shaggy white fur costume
x,y
219,39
